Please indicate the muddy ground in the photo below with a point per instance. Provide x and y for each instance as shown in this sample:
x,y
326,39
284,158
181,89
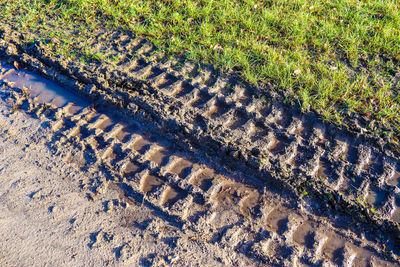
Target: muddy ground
x,y
141,163
47,218
90,186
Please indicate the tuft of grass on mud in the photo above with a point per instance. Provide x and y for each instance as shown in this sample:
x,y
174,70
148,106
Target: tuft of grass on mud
x,y
332,56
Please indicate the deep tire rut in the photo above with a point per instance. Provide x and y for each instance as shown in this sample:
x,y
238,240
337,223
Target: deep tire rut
x,y
354,172
202,198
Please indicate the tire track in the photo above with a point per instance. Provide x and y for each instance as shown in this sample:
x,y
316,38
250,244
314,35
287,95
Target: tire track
x,y
362,173
216,113
188,191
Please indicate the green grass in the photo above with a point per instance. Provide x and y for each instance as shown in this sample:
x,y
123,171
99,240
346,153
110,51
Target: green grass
x,y
331,55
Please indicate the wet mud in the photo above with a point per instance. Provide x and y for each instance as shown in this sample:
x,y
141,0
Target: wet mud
x,y
214,121
259,220
220,117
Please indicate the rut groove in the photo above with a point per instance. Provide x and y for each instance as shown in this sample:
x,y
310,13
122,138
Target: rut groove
x,y
190,193
350,171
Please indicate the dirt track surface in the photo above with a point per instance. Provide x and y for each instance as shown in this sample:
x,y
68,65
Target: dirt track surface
x,y
354,170
48,217
120,193
233,179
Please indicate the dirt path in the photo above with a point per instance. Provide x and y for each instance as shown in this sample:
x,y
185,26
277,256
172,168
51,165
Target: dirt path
x,y
84,185
47,217
354,170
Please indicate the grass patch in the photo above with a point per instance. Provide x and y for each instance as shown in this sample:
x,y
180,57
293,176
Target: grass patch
x,y
331,55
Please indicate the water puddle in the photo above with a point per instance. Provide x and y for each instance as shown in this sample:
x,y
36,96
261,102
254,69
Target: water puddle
x,y
375,197
277,220
149,182
333,248
181,168
159,156
304,235
41,89
203,180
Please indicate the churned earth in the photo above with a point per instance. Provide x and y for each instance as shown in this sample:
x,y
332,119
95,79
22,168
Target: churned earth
x,y
151,161
84,184
48,216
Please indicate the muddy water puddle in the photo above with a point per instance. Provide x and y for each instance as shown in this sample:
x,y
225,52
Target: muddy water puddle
x,y
375,197
43,90
105,126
